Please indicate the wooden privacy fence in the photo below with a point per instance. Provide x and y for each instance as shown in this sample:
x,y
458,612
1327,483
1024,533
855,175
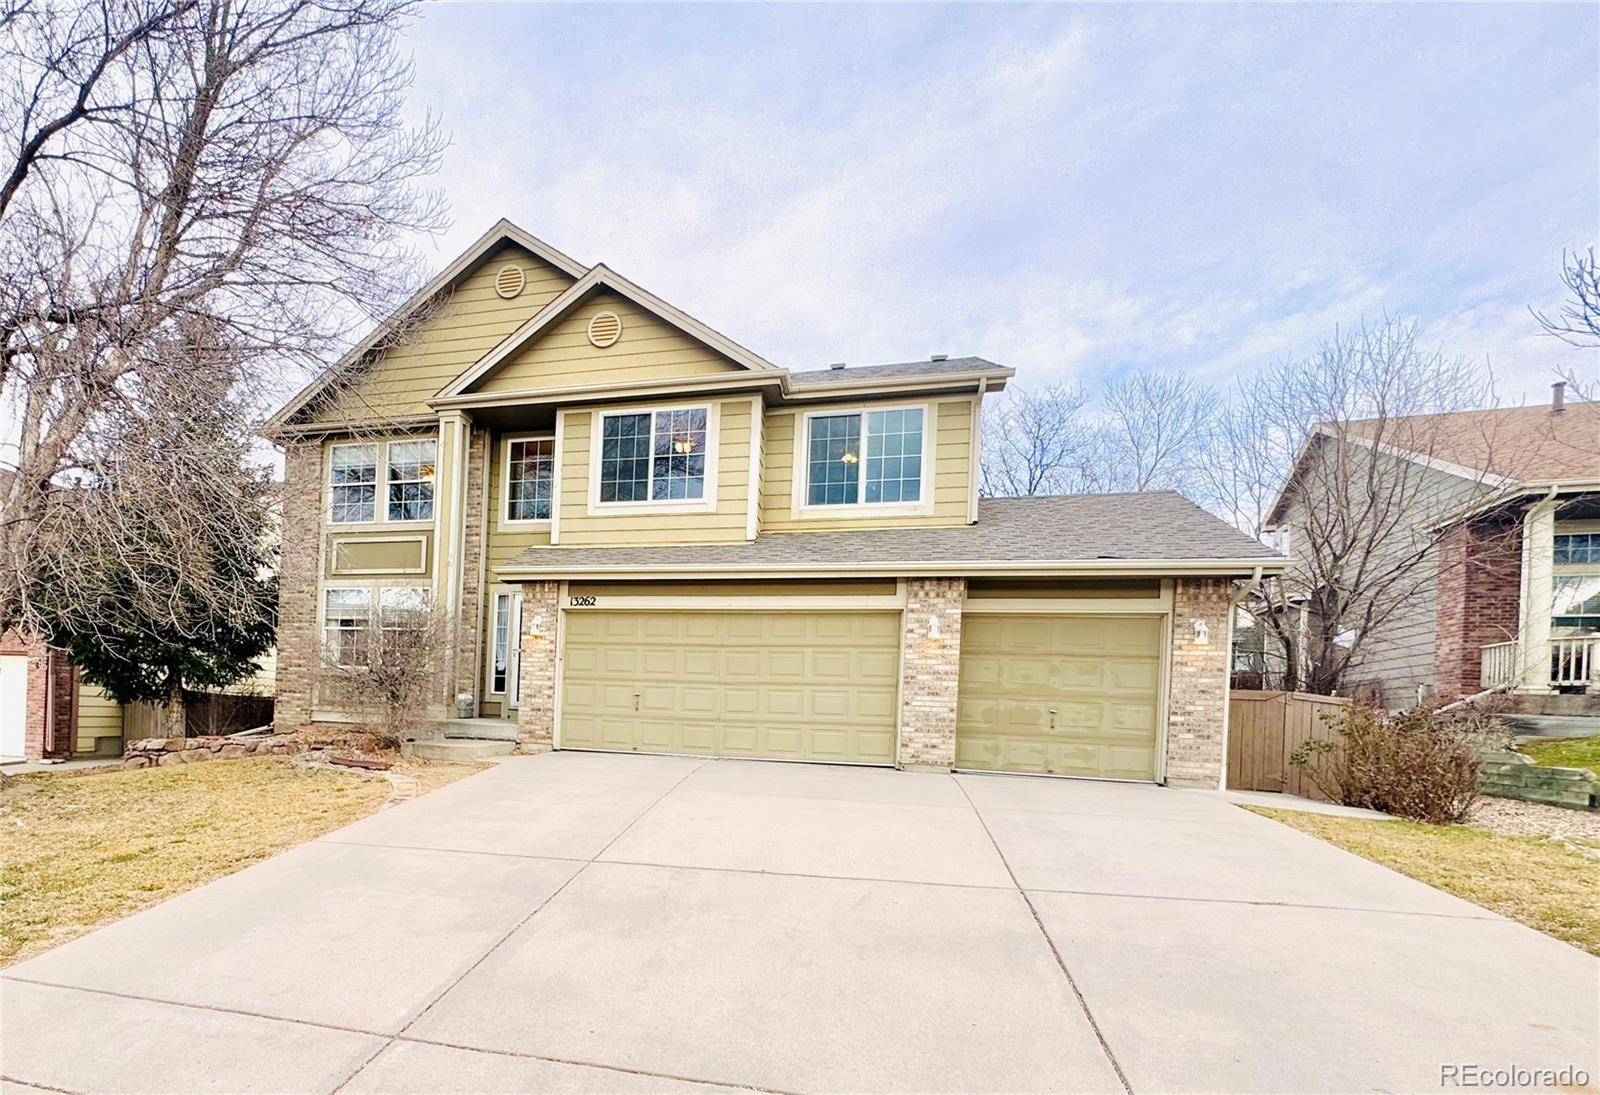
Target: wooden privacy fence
x,y
1265,728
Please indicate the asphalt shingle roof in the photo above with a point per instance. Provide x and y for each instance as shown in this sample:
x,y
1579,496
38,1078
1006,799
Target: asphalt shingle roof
x,y
899,368
1066,529
1528,444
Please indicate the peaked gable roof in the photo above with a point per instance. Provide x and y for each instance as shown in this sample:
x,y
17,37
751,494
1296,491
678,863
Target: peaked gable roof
x,y
500,233
1501,448
600,278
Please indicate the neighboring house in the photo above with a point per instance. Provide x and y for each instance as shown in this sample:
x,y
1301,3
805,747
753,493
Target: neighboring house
x,y
46,710
651,539
1509,595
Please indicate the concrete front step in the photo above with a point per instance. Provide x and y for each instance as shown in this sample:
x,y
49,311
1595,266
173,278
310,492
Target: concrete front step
x,y
461,750
482,729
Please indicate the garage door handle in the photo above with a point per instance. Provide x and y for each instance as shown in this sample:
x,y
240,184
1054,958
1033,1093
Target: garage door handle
x,y
636,701
1052,718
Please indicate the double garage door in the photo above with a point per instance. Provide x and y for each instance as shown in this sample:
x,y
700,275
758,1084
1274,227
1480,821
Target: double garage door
x,y
1065,695
786,685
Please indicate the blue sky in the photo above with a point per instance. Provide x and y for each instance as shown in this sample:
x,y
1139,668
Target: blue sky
x,y
1073,191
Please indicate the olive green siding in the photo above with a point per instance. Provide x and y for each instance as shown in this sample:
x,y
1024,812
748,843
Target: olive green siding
x,y
456,332
1066,695
563,357
686,524
399,553
787,685
99,716
505,542
950,454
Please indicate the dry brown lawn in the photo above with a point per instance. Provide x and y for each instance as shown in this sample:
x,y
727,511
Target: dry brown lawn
x,y
1536,881
80,850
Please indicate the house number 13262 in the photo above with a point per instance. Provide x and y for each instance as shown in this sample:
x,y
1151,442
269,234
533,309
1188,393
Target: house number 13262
x,y
582,602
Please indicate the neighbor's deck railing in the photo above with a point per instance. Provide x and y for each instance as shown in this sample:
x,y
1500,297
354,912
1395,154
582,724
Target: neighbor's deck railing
x,y
1499,665
1574,661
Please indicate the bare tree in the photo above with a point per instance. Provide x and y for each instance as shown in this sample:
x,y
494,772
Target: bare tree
x,y
1578,322
1036,443
389,661
1156,430
196,196
1361,519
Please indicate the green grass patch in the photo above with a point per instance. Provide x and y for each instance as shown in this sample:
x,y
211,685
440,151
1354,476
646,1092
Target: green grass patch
x,y
1528,879
1566,753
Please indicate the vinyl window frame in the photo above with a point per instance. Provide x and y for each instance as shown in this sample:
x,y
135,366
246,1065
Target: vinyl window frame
x,y
503,518
803,509
375,592
380,516
1568,569
706,504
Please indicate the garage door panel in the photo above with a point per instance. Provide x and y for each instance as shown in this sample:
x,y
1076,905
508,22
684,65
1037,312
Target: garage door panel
x,y
1068,695
795,685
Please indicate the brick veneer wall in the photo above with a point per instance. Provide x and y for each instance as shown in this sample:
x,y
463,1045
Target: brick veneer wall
x,y
536,690
1479,602
299,647
1197,691
930,673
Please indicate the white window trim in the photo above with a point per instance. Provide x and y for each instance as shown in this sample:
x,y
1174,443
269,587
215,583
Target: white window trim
x,y
707,504
380,504
375,590
508,694
801,489
503,502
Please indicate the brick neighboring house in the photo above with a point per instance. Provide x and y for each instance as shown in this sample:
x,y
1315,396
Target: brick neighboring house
x,y
46,711
1512,592
648,538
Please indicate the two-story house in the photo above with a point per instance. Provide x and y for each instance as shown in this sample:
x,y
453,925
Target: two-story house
x,y
652,539
1501,510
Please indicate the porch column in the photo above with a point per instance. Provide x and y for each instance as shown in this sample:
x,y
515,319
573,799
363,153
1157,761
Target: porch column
x,y
1538,594
536,689
450,499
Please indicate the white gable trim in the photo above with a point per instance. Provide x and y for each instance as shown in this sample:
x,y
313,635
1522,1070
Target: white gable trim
x,y
502,231
602,277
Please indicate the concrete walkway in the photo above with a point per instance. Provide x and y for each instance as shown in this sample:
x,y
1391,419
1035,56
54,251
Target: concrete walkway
x,y
584,922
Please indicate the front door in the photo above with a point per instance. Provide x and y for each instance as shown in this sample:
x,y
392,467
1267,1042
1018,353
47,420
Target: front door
x,y
505,664
13,704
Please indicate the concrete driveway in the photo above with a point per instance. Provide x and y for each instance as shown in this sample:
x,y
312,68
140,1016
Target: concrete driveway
x,y
582,922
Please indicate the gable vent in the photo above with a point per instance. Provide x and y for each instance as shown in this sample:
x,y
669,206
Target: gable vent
x,y
604,329
510,279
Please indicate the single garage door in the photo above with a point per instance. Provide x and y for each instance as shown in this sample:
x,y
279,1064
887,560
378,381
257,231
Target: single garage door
x,y
786,685
1065,695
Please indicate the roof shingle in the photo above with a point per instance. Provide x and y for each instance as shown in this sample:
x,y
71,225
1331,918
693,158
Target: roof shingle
x,y
1094,529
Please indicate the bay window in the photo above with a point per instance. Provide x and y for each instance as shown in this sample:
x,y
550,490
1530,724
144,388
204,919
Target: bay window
x,y
868,457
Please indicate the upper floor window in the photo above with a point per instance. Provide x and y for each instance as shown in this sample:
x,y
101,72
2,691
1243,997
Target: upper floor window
x,y
653,456
353,478
408,481
865,457
530,471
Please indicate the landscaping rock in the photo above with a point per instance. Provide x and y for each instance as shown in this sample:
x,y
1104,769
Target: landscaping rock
x,y
169,760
